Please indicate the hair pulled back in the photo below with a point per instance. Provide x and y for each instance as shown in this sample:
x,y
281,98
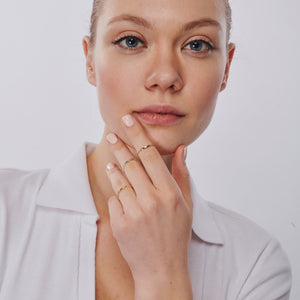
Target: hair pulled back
x,y
98,4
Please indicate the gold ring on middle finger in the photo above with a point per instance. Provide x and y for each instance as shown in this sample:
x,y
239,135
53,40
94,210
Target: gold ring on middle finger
x,y
127,161
144,148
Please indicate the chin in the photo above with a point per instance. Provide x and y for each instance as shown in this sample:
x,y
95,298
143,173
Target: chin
x,y
165,150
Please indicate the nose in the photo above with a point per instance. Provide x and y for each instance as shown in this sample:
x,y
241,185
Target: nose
x,y
164,73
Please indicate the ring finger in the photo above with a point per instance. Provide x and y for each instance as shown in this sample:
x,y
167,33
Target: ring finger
x,y
122,189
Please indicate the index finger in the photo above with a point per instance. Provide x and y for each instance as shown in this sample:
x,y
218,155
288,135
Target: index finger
x,y
148,154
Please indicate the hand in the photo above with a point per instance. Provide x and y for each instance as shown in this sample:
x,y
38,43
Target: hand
x,y
152,217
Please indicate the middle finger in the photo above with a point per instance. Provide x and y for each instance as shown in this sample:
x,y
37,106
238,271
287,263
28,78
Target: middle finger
x,y
149,155
133,169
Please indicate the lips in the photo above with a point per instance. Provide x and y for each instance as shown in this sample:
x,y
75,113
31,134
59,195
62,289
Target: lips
x,y
163,115
161,109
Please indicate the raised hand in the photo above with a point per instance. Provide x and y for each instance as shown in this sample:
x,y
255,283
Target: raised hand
x,y
151,213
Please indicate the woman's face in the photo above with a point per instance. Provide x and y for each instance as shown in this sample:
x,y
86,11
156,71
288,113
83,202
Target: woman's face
x,y
175,54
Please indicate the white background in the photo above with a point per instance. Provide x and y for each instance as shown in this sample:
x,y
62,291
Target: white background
x,y
247,160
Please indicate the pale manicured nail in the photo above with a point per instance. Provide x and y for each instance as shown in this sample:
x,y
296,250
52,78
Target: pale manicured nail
x,y
128,120
110,166
112,138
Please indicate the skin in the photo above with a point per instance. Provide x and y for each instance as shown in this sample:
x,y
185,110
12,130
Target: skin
x,y
154,213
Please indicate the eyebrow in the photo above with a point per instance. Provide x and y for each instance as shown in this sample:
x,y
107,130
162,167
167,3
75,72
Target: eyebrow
x,y
186,27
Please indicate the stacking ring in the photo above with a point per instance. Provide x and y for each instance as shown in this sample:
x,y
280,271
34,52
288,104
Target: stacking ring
x,y
144,148
122,188
127,161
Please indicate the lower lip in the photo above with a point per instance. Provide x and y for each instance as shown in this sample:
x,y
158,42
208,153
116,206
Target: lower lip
x,y
159,119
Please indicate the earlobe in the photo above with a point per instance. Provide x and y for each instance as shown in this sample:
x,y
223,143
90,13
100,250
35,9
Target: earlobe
x,y
230,53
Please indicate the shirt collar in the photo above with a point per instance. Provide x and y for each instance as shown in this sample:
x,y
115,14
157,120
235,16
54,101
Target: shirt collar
x,y
67,187
67,184
204,223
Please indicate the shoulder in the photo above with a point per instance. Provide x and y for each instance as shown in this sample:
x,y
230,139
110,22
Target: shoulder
x,y
265,265
243,236
237,227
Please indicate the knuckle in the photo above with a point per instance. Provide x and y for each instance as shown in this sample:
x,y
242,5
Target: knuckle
x,y
138,217
172,199
152,207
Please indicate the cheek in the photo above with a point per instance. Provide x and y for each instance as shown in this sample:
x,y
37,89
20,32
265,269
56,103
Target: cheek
x,y
114,89
116,83
207,82
205,86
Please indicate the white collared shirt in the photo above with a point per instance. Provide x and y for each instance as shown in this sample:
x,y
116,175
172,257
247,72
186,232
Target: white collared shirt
x,y
48,235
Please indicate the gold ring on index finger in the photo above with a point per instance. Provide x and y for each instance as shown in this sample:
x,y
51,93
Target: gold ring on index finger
x,y
144,148
122,188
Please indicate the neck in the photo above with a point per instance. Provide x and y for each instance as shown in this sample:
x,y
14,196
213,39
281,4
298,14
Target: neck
x,y
99,182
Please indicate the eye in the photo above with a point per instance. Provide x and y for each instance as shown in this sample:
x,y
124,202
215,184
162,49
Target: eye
x,y
130,42
200,46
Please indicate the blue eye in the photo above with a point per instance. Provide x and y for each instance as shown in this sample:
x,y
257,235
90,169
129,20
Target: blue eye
x,y
200,46
131,41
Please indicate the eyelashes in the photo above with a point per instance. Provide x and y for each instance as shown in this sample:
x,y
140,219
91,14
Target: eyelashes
x,y
198,46
131,39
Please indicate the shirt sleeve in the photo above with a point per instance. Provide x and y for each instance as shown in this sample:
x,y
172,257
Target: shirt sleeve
x,y
270,277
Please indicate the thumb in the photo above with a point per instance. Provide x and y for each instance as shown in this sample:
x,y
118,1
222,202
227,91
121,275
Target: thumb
x,y
181,174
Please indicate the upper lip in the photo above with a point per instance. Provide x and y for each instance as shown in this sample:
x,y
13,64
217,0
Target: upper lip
x,y
157,108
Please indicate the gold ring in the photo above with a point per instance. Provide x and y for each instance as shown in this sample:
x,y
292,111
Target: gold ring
x,y
144,148
122,188
127,161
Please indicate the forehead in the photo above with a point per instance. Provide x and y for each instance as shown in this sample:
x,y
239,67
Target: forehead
x,y
165,12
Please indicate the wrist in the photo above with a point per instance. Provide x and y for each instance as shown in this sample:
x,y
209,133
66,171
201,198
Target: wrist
x,y
167,286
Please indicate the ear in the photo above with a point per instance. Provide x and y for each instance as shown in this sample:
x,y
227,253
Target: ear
x,y
90,72
230,53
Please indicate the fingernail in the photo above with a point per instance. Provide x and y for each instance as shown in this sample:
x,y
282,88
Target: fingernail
x,y
185,153
109,166
128,120
111,138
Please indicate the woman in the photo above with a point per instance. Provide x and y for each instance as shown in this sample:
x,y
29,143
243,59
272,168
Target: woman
x,y
121,220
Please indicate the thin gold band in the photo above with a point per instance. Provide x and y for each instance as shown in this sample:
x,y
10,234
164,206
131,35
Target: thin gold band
x,y
127,161
144,148
122,188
